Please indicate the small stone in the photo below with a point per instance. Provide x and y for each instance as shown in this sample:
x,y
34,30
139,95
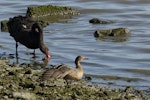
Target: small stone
x,y
5,97
28,72
11,73
98,21
15,64
24,95
128,89
88,78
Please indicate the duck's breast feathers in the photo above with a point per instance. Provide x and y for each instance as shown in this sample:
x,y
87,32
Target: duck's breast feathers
x,y
68,72
75,75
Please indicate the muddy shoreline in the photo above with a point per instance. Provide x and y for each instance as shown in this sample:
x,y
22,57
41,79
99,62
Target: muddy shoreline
x,y
23,82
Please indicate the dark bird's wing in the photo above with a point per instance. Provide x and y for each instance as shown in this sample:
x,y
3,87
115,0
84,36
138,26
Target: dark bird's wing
x,y
19,24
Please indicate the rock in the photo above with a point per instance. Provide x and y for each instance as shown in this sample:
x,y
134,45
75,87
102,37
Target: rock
x,y
24,95
46,14
112,32
50,10
12,73
28,72
117,34
4,25
98,21
128,89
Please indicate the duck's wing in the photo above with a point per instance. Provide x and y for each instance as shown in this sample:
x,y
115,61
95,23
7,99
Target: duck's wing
x,y
48,73
63,70
57,72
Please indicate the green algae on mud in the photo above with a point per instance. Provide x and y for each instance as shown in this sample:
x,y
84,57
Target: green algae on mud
x,y
23,82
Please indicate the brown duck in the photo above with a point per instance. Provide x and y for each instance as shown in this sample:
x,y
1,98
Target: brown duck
x,y
27,32
64,71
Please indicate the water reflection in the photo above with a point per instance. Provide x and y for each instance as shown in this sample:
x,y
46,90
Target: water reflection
x,y
32,62
113,39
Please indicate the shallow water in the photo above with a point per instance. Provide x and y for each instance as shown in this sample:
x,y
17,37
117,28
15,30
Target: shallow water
x,y
67,40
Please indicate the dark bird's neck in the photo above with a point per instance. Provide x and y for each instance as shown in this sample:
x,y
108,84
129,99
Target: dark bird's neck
x,y
42,45
38,31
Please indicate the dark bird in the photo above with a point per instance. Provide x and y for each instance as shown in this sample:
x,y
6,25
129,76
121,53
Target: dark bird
x,y
64,71
27,32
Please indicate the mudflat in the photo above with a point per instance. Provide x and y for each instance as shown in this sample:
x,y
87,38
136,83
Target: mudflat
x,y
24,82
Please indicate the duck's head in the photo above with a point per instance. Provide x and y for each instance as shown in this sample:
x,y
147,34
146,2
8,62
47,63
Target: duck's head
x,y
79,58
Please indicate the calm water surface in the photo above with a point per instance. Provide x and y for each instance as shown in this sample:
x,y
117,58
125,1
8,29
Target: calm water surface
x,y
67,40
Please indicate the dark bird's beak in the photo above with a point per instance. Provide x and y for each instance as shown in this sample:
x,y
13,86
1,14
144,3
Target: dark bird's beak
x,y
48,55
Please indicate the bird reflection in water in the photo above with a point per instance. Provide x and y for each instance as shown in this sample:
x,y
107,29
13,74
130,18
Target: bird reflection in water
x,y
32,62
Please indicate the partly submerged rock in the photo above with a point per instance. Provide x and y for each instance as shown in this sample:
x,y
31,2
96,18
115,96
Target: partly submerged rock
x,y
4,25
50,10
99,21
46,14
117,34
50,13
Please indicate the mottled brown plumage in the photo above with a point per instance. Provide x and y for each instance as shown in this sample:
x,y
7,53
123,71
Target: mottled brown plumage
x,y
64,71
27,32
